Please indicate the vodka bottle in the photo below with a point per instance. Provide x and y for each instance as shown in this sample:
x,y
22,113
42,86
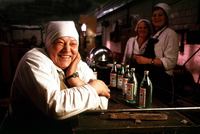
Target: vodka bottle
x,y
127,75
132,88
145,91
120,76
113,75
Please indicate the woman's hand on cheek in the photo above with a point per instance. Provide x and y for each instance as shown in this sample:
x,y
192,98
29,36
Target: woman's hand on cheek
x,y
77,58
73,66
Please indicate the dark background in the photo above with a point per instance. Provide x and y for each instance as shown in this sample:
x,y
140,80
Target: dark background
x,y
37,11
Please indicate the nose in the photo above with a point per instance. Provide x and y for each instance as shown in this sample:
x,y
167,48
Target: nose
x,y
67,46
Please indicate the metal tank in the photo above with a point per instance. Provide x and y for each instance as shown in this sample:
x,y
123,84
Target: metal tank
x,y
100,57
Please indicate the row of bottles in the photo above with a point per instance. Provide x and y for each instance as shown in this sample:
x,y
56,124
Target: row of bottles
x,y
124,78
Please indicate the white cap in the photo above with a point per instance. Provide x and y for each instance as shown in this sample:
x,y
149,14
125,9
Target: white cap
x,y
165,7
57,29
147,22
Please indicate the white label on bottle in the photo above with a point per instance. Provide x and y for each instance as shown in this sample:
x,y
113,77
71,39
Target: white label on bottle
x,y
113,79
120,82
129,94
142,97
125,81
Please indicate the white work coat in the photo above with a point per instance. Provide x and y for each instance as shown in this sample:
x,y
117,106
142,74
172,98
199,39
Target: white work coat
x,y
167,48
132,47
37,82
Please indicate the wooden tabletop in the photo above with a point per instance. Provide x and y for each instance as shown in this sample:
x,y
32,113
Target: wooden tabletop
x,y
100,122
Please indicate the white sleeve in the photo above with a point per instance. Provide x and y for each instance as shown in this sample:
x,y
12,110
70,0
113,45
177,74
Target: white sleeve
x,y
171,51
128,50
75,100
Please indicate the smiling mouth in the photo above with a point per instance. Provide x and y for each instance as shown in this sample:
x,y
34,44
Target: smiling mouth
x,y
65,57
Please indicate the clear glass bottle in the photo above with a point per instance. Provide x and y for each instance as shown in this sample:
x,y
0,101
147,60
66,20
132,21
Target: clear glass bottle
x,y
127,75
120,76
145,92
132,86
113,75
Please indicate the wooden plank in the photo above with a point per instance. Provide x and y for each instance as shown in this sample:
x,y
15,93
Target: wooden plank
x,y
139,116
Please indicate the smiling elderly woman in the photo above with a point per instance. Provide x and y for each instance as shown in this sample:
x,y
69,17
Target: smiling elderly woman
x,y
53,83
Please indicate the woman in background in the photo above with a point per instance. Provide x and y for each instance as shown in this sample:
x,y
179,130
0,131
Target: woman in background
x,y
136,45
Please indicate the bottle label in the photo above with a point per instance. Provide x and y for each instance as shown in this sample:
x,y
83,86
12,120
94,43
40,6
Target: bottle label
x,y
120,82
125,81
130,91
142,97
113,79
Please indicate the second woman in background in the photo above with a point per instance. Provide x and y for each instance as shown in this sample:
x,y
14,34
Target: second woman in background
x,y
136,45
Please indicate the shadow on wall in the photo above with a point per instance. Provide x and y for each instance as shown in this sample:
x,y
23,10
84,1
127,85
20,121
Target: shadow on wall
x,y
185,86
190,58
10,56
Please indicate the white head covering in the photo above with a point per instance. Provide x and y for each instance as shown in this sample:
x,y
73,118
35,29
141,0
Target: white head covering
x,y
165,7
57,29
148,24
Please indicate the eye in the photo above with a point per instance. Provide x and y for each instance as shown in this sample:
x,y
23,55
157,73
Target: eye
x,y
59,43
154,15
161,14
73,43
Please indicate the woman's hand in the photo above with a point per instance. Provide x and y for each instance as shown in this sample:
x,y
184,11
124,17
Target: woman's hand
x,y
73,66
101,88
72,69
142,60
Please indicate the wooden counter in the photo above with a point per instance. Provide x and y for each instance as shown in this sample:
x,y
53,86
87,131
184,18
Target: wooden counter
x,y
98,122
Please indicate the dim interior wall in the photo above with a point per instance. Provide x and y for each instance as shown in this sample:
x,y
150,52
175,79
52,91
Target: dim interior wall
x,y
17,43
18,36
6,72
116,47
192,65
141,9
185,14
106,30
91,24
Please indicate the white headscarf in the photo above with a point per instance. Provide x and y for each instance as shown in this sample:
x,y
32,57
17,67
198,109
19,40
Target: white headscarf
x,y
57,29
165,7
148,25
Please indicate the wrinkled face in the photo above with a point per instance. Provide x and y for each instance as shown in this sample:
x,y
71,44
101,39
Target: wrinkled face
x,y
143,30
63,51
159,18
